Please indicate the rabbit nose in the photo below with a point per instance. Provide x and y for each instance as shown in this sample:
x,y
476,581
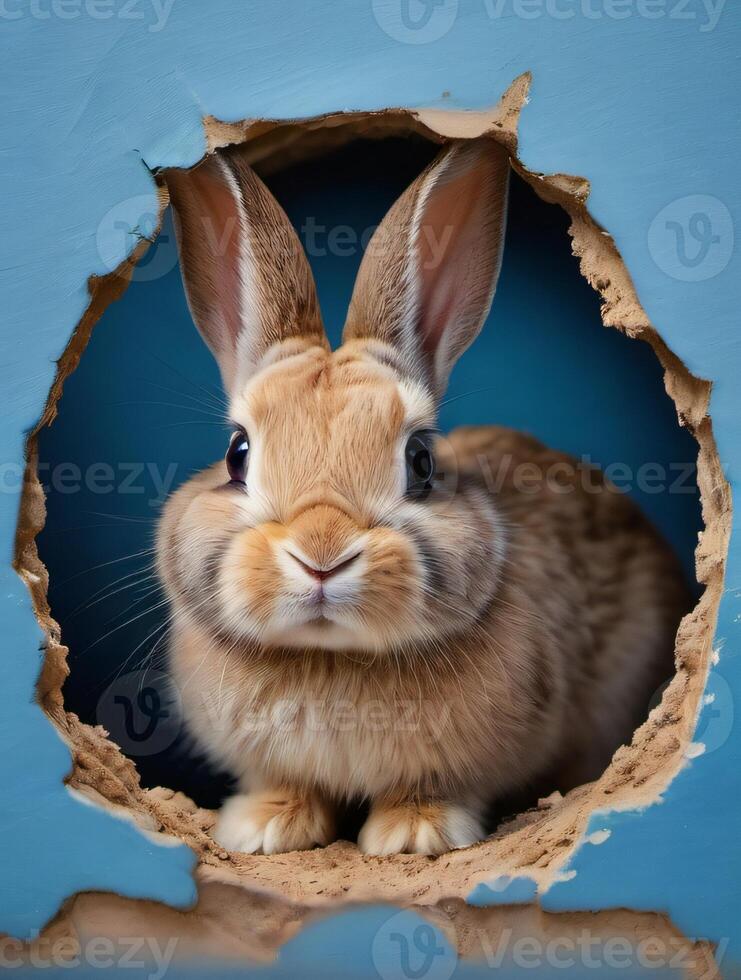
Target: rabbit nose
x,y
323,573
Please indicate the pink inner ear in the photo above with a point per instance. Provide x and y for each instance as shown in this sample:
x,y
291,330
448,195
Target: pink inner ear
x,y
453,227
215,277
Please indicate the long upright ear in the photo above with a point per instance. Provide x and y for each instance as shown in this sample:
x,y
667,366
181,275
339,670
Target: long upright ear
x,y
427,279
246,276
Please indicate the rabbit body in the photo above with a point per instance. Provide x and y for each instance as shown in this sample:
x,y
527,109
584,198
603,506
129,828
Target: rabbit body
x,y
348,624
553,674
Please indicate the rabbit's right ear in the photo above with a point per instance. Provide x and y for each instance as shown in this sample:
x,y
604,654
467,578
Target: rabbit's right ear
x,y
246,276
428,276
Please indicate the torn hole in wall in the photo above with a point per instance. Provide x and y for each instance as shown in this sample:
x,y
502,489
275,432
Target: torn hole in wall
x,y
534,843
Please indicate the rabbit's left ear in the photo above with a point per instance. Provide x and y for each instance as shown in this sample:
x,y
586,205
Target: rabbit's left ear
x,y
427,279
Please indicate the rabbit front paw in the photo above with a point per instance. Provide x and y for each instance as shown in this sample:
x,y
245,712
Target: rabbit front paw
x,y
419,828
272,822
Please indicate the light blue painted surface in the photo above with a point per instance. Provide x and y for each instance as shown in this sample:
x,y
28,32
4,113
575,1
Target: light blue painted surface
x,y
647,109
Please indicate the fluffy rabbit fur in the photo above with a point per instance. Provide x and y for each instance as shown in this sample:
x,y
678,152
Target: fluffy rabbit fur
x,y
345,626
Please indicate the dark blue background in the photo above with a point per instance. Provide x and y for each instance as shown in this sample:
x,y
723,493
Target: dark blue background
x,y
147,392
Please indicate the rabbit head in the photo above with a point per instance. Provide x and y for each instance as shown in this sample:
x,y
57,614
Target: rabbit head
x,y
330,524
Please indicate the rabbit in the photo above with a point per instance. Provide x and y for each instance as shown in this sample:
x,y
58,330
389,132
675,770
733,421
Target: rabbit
x,y
362,608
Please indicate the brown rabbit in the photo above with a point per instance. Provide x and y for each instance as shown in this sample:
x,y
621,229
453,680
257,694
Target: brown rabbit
x,y
362,609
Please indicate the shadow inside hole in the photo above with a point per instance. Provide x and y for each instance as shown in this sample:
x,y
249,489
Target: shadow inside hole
x,y
144,411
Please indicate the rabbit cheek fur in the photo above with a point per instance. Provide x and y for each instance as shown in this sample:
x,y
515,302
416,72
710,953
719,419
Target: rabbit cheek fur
x,y
336,638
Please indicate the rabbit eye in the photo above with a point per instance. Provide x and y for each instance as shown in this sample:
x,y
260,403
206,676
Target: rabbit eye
x,y
237,455
420,464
